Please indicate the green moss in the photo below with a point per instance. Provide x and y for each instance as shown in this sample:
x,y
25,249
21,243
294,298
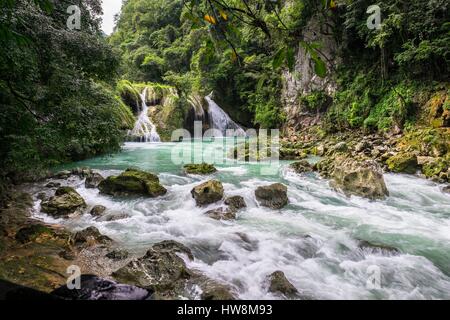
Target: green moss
x,y
203,168
32,232
403,162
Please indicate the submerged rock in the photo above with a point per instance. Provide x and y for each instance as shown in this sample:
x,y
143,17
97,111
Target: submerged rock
x,y
132,182
53,185
98,210
93,180
273,196
363,244
235,203
280,284
90,236
221,213
66,201
404,162
360,178
301,167
160,269
208,192
95,288
202,168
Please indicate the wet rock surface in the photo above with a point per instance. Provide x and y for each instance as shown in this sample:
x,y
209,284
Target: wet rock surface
x,y
235,203
221,213
301,167
208,192
273,196
90,236
133,182
95,288
202,168
66,201
278,283
93,180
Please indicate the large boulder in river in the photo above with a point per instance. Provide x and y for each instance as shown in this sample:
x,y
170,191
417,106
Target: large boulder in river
x,y
133,182
66,201
209,192
93,180
202,168
301,167
161,269
273,196
360,178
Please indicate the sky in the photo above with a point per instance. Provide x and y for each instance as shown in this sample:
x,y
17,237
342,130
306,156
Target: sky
x,y
110,8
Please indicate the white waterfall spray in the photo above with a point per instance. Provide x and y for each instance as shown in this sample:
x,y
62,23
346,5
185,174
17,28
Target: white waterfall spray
x,y
144,129
219,119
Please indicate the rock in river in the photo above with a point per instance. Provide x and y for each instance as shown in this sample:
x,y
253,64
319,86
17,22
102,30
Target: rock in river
x,y
202,168
208,192
132,182
360,178
280,284
93,180
273,196
66,201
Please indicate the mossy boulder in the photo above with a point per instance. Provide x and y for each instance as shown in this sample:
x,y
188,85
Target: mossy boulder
x,y
202,168
66,201
208,192
278,283
133,182
403,162
273,196
360,178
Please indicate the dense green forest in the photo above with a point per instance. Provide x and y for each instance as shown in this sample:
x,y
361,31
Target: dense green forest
x,y
61,101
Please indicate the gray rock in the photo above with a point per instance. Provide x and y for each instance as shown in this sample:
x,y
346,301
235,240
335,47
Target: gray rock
x,y
98,210
90,236
93,180
66,201
221,214
235,203
273,196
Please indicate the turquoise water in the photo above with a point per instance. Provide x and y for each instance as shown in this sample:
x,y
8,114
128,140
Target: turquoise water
x,y
314,240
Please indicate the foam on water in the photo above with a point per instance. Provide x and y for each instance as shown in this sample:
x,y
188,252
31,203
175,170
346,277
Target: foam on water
x,y
314,240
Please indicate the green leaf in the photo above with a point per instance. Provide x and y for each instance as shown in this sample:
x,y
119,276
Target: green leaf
x,y
261,82
279,58
320,68
290,58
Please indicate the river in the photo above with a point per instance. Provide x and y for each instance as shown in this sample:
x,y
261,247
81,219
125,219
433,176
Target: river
x,y
314,240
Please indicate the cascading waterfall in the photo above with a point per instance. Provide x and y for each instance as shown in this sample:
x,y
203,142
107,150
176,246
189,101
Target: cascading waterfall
x,y
219,119
144,128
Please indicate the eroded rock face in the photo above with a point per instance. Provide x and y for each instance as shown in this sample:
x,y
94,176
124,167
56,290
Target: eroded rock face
x,y
273,196
132,182
93,180
95,288
360,178
202,168
280,284
66,201
208,192
160,269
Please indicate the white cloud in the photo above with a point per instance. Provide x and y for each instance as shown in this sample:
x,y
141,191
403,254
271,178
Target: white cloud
x,y
110,8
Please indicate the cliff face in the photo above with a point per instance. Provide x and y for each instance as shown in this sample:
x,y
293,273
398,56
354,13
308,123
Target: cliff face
x,y
303,80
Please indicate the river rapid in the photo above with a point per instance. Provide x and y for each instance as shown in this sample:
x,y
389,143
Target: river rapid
x,y
314,240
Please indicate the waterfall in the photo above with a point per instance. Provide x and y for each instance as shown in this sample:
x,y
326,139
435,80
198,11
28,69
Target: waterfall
x,y
144,129
219,119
